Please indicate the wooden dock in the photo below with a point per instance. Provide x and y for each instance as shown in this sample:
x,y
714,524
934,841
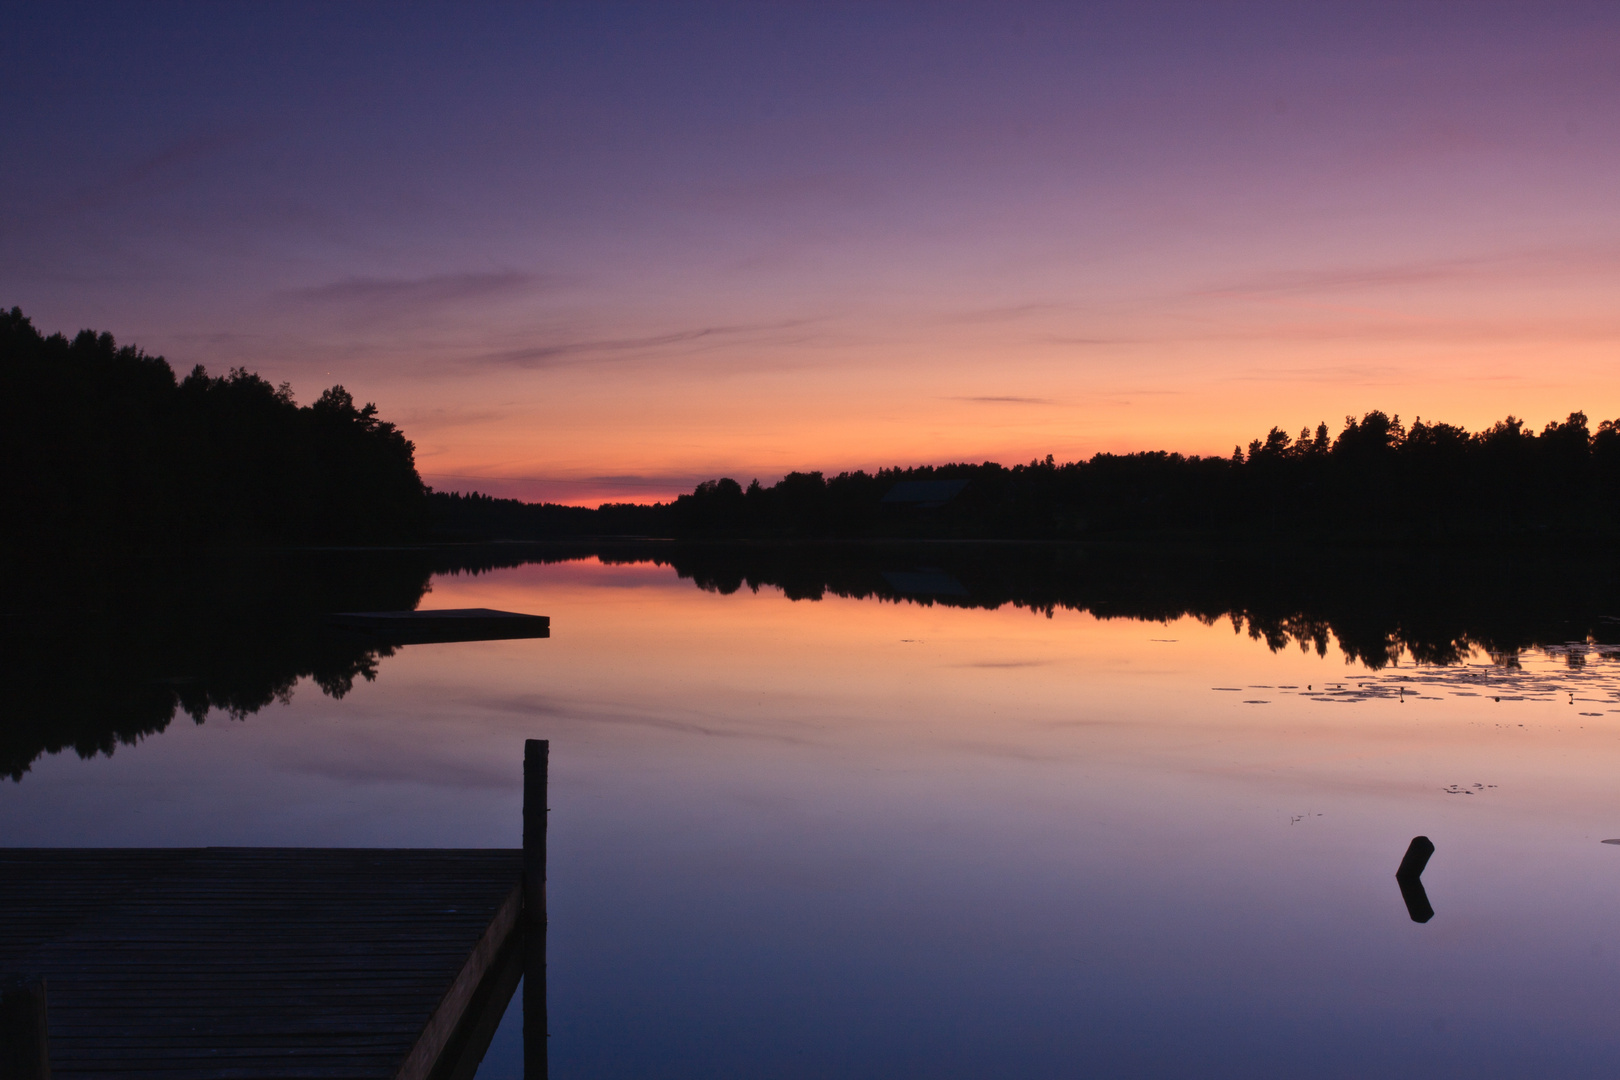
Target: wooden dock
x,y
187,964
436,625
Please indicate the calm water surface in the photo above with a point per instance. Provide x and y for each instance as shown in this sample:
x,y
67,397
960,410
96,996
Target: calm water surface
x,y
864,838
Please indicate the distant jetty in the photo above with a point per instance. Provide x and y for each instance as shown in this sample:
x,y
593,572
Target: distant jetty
x,y
445,624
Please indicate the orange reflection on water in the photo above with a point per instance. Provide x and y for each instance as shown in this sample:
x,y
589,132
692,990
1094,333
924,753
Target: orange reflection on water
x,y
981,840
635,651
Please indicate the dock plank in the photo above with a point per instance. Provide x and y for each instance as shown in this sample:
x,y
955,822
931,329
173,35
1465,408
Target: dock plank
x,y
254,963
436,625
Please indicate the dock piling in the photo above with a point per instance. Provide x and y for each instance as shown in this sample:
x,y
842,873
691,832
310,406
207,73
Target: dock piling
x,y
536,755
24,1037
1410,878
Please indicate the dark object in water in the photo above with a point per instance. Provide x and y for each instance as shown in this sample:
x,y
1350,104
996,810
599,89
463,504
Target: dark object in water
x,y
445,624
1410,878
1417,900
1416,858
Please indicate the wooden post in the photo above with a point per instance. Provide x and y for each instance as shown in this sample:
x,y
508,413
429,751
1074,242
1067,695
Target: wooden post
x,y
24,1039
1417,856
536,753
1410,878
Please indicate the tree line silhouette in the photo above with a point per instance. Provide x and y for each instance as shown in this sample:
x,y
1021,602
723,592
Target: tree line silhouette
x,y
1378,480
104,446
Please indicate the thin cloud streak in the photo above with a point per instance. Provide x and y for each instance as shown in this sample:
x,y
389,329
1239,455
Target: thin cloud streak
x,y
1537,262
996,400
1058,339
1009,313
611,349
178,156
377,292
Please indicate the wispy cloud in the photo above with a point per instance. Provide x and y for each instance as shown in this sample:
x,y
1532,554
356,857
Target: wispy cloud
x,y
1366,326
778,191
1006,313
1005,400
435,289
1059,339
1293,282
438,417
177,158
1343,374
567,352
1532,262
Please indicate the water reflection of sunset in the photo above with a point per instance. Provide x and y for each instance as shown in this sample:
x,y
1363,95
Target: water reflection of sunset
x,y
1101,765
904,678
955,825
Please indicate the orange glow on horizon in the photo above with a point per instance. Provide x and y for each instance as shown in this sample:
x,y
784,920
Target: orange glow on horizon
x,y
600,275
629,444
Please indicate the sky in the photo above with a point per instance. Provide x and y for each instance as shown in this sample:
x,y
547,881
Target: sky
x,y
601,252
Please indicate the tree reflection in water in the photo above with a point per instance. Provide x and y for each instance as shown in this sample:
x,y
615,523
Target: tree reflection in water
x,y
107,655
103,655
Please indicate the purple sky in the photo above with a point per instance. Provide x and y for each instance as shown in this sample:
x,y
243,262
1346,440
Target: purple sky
x,y
597,251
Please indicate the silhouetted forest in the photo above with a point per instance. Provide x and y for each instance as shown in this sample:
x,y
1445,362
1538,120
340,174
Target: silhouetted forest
x,y
477,517
1377,480
104,447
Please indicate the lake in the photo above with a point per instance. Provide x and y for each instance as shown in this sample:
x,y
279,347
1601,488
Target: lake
x,y
930,812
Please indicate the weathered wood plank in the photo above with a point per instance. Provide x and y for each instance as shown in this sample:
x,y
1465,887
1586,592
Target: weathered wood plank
x,y
184,964
447,1016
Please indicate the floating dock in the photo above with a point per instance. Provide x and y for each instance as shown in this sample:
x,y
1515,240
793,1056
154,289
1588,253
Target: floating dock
x,y
200,963
443,624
